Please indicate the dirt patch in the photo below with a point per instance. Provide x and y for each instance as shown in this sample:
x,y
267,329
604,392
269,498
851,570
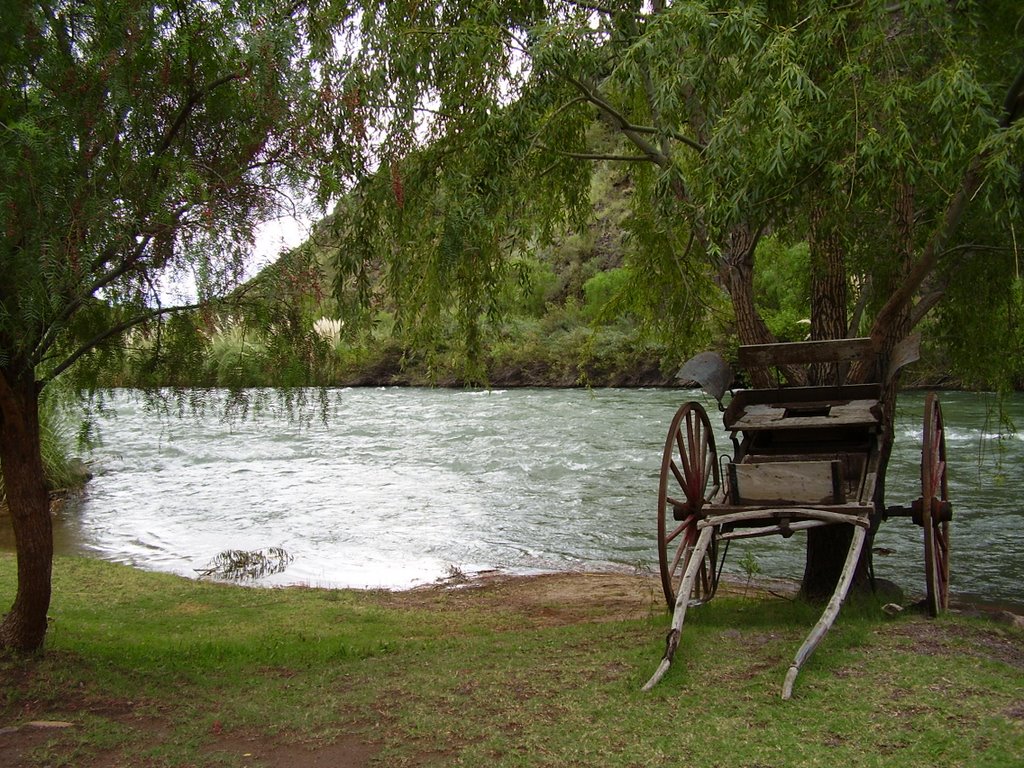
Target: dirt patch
x,y
24,746
991,643
261,751
558,599
554,599
16,743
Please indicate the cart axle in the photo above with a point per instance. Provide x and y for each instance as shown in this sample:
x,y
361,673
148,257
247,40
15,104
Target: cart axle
x,y
942,511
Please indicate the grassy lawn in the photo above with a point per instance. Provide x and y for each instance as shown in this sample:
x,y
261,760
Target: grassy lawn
x,y
155,670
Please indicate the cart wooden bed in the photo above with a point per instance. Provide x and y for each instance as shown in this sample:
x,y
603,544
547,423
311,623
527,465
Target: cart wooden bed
x,y
803,458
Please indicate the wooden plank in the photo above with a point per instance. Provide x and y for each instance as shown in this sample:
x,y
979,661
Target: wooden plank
x,y
806,352
787,482
785,529
846,406
761,416
850,514
853,462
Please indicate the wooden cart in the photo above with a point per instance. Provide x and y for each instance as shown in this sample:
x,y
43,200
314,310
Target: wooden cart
x,y
803,457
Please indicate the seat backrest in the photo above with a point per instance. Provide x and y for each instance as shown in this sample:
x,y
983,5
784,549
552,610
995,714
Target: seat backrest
x,y
832,357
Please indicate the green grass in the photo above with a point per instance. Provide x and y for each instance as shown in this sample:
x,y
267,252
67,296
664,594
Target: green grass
x,y
161,671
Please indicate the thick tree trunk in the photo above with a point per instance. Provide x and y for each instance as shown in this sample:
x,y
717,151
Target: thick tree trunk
x,y
23,628
827,547
829,293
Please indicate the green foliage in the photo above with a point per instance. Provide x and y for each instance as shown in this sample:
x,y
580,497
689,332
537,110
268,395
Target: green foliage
x,y
751,567
823,125
531,287
235,356
966,333
782,282
57,445
604,291
144,144
506,155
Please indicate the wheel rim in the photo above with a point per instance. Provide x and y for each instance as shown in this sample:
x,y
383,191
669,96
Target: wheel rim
x,y
689,477
934,498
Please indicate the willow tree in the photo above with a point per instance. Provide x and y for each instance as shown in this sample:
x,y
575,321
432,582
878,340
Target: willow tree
x,y
883,134
140,143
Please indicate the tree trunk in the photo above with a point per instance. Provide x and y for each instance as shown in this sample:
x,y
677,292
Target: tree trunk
x,y
737,272
828,289
827,547
23,628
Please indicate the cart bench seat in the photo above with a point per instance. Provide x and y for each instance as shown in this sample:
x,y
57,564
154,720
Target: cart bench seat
x,y
804,408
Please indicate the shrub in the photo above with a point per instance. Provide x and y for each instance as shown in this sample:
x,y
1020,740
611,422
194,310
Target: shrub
x,y
604,292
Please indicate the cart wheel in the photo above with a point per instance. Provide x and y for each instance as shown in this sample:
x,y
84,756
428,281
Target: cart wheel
x,y
935,508
688,467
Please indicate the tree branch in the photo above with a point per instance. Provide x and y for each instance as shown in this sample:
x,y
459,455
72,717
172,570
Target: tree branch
x,y
190,104
76,300
634,133
1013,106
597,156
925,305
603,9
87,346
955,210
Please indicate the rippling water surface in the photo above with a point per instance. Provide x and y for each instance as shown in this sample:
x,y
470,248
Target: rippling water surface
x,y
402,485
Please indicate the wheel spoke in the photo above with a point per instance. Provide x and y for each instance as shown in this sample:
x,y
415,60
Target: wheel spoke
x,y
675,560
679,529
934,489
704,581
709,470
678,475
700,452
685,457
685,546
941,550
703,465
691,443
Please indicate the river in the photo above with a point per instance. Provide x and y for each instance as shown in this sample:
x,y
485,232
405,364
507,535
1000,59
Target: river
x,y
407,486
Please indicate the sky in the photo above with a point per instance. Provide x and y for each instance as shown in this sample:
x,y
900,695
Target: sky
x,y
275,236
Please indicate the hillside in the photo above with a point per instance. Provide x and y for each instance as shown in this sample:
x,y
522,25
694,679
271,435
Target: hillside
x,y
580,310
563,316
